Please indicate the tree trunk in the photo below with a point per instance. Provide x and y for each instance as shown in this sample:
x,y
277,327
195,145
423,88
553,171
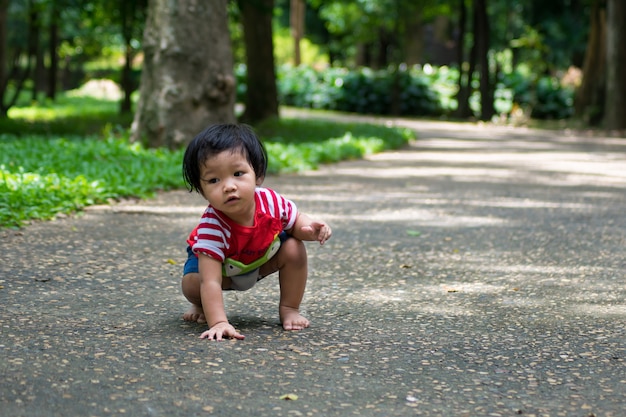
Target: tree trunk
x,y
297,9
128,13
386,42
16,75
4,6
363,55
40,70
133,14
35,50
53,39
126,79
261,94
481,31
589,100
465,71
187,80
615,104
413,38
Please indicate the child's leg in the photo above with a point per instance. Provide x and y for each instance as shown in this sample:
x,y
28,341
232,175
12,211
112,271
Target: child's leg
x,y
291,264
191,290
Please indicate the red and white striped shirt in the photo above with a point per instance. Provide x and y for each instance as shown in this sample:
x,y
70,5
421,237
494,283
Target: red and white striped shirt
x,y
221,238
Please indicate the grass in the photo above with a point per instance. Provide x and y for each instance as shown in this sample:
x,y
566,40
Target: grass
x,y
296,145
58,158
72,113
41,177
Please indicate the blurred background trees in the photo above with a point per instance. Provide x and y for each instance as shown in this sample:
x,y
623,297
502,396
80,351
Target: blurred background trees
x,y
494,60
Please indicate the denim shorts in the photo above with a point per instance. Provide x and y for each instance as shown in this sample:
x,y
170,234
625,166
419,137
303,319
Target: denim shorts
x,y
191,266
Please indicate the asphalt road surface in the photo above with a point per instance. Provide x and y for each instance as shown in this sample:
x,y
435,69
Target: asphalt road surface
x,y
481,271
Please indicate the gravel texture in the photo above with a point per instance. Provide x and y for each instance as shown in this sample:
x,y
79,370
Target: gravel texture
x,y
480,271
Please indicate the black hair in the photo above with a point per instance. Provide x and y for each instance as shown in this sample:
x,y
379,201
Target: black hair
x,y
216,139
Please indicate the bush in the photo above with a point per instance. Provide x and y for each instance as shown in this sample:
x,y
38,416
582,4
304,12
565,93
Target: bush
x,y
421,91
553,101
362,91
545,97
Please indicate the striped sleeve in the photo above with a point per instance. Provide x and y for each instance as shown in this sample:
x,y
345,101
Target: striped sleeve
x,y
212,236
277,206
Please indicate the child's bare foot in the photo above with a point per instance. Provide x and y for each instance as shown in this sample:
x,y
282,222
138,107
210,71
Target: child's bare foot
x,y
195,313
291,319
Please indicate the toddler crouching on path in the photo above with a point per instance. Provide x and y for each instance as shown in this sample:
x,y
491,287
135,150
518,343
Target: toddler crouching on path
x,y
246,233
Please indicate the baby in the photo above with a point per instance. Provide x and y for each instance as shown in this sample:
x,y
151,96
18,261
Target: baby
x,y
246,233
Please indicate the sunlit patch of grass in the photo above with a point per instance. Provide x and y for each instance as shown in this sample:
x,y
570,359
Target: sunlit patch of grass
x,y
70,113
66,105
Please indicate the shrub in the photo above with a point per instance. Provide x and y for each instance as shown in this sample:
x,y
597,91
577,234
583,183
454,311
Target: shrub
x,y
421,91
553,101
545,97
362,91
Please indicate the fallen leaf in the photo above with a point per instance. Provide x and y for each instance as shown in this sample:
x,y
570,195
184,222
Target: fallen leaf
x,y
171,261
413,232
289,397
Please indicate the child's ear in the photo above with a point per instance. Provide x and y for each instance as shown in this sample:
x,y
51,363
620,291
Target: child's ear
x,y
259,181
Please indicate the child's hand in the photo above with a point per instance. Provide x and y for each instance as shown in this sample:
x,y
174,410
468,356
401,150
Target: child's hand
x,y
222,330
319,231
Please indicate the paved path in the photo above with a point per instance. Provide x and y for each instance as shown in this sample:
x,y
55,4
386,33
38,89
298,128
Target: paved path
x,y
479,272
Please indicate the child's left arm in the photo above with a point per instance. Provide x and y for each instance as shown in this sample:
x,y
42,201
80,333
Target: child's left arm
x,y
306,228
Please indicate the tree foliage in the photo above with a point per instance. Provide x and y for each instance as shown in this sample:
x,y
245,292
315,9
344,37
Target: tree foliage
x,y
51,44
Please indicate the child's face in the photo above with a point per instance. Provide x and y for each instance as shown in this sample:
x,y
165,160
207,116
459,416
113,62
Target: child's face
x,y
228,183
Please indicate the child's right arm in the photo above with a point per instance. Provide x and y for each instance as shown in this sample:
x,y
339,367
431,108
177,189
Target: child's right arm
x,y
306,228
213,302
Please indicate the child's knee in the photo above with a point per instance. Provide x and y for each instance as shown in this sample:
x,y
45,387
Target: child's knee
x,y
294,251
190,285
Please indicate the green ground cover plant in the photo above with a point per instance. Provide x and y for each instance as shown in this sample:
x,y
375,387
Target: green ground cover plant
x,y
45,172
296,145
41,177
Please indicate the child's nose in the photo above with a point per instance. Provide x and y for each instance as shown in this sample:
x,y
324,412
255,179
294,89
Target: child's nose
x,y
229,185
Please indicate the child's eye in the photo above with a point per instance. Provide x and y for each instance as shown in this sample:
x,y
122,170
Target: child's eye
x,y
239,173
211,181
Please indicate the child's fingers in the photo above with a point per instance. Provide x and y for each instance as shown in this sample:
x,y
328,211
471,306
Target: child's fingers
x,y
206,335
231,332
325,234
318,231
221,333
